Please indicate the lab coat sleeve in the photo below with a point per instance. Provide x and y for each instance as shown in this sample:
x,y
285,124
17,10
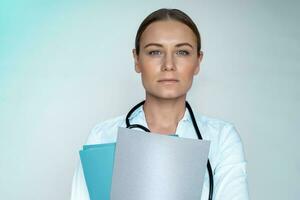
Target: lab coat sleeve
x,y
230,172
79,189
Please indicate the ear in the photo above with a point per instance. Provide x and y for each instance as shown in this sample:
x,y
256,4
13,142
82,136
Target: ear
x,y
136,61
199,59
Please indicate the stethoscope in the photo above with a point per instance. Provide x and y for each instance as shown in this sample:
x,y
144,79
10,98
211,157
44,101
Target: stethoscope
x,y
128,125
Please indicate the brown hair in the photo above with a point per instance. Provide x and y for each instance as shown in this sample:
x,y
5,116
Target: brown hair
x,y
167,14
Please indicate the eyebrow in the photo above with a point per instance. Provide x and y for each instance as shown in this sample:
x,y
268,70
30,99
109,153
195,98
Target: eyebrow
x,y
177,45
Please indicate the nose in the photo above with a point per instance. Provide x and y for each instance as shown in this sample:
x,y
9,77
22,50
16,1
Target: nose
x,y
168,63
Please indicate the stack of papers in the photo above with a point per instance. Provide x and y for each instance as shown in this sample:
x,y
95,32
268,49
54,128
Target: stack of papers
x,y
145,166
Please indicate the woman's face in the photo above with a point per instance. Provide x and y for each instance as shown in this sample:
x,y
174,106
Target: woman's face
x,y
168,59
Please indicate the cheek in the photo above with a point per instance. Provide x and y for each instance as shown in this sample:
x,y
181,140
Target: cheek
x,y
187,70
149,69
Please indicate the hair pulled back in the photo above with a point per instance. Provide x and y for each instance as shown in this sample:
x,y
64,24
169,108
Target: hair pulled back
x,y
167,14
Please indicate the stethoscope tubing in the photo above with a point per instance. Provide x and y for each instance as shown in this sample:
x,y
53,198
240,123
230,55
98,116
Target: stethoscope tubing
x,y
210,173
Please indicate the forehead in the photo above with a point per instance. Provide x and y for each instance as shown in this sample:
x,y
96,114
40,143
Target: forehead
x,y
168,31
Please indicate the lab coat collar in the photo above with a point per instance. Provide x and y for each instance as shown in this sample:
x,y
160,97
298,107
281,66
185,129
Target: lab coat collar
x,y
139,114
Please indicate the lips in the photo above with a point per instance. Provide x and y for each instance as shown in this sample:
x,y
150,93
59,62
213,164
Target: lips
x,y
168,80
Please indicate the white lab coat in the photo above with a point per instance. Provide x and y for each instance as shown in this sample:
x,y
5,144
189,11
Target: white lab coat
x,y
226,154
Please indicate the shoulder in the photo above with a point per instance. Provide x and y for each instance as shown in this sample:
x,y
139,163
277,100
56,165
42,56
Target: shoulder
x,y
223,135
106,131
214,127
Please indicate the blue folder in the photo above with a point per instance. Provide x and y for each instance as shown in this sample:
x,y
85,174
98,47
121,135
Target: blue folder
x,y
97,164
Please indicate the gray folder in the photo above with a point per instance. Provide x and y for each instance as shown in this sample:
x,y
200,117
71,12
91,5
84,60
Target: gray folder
x,y
151,166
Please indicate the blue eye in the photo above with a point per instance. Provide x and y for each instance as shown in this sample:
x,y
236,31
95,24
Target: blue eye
x,y
183,53
154,52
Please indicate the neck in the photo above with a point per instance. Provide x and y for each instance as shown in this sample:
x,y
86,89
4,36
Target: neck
x,y
162,115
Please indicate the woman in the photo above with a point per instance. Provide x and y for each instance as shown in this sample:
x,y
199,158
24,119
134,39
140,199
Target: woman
x,y
167,54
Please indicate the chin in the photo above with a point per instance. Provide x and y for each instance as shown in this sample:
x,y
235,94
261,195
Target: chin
x,y
168,95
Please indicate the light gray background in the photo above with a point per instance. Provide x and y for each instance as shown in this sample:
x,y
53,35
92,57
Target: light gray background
x,y
66,66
